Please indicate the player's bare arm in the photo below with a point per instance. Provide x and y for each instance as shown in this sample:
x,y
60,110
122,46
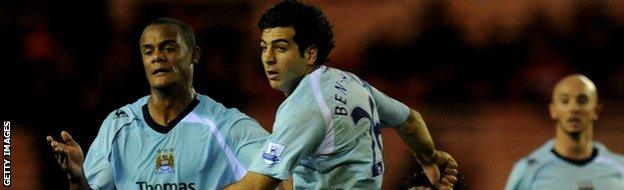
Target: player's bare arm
x,y
414,133
70,157
287,184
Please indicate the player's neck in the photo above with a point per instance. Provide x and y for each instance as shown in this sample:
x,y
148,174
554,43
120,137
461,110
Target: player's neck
x,y
289,90
165,106
576,147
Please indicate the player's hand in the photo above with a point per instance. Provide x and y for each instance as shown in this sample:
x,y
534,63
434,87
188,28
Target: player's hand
x,y
432,171
68,154
448,170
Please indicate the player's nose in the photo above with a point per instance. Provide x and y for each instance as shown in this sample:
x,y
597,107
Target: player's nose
x,y
158,56
268,57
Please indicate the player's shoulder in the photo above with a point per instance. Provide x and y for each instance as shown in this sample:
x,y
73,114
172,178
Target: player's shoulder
x,y
324,83
529,166
339,82
294,107
324,77
127,112
618,157
122,117
538,157
331,76
302,107
605,153
209,109
307,92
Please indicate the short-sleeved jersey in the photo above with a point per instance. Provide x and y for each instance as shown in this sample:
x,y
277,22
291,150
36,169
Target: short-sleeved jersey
x,y
543,169
206,147
327,133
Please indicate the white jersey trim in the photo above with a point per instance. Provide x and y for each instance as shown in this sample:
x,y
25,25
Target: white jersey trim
x,y
237,167
327,146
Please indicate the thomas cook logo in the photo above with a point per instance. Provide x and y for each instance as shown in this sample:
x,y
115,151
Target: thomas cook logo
x,y
165,162
271,155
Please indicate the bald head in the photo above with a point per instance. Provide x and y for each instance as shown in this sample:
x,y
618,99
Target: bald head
x,y
576,83
574,105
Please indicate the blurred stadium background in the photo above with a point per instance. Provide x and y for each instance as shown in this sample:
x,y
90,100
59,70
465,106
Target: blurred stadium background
x,y
479,71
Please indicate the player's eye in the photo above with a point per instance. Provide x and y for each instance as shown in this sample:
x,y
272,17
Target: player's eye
x,y
263,48
147,52
582,99
281,49
169,48
565,101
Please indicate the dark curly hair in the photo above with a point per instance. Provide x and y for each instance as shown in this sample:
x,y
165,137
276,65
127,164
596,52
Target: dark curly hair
x,y
310,25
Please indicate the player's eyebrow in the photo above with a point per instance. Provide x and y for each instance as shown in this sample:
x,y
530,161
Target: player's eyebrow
x,y
168,42
564,95
583,97
145,46
275,41
280,40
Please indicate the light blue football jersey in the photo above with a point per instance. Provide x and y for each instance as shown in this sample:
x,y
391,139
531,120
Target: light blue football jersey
x,y
327,133
542,169
207,146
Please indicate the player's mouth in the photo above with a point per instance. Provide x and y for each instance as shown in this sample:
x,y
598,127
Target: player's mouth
x,y
574,120
272,75
161,71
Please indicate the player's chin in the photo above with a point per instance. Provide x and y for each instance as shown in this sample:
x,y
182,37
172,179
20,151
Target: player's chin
x,y
574,131
160,84
277,85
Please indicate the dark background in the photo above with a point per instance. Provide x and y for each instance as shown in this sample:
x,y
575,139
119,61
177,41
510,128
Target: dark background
x,y
481,72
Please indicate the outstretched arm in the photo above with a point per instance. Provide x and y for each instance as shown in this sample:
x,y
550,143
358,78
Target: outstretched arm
x,y
70,157
415,134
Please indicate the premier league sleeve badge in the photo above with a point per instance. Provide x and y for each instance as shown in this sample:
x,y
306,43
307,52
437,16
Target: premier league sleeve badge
x,y
271,155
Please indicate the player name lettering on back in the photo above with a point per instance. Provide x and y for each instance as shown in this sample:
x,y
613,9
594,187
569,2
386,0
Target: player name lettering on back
x,y
339,97
341,92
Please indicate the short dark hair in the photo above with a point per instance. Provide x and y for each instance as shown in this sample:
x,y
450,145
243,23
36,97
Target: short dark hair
x,y
187,32
310,25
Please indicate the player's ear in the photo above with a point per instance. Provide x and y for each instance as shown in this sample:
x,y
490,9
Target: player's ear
x,y
597,112
195,55
552,110
310,55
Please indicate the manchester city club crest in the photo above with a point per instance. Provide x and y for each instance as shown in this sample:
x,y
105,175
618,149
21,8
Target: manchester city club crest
x,y
165,162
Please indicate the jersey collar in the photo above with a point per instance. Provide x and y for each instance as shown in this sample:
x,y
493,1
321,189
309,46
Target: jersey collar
x,y
165,129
